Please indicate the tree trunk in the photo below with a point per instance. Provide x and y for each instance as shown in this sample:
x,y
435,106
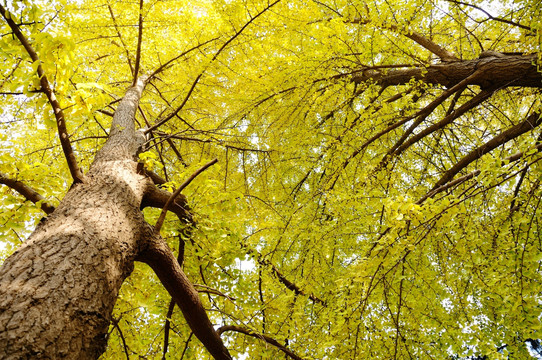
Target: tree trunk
x,y
57,291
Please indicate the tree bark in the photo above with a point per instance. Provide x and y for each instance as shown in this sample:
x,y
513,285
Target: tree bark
x,y
495,70
58,290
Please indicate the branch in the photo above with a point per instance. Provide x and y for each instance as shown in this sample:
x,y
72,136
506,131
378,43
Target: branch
x,y
435,48
495,71
161,259
426,111
157,198
139,40
469,105
125,346
168,64
265,338
121,40
527,125
75,171
180,259
27,192
459,180
427,43
493,17
289,285
171,199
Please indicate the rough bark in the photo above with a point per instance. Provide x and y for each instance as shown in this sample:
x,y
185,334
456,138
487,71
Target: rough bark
x,y
58,290
496,70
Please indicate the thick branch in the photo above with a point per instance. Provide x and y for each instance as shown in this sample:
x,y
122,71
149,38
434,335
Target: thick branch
x,y
75,171
528,124
157,198
265,338
27,192
495,71
161,259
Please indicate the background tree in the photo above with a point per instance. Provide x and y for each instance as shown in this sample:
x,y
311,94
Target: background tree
x,y
377,188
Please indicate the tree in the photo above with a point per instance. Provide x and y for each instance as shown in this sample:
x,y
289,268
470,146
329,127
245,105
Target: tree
x,y
376,192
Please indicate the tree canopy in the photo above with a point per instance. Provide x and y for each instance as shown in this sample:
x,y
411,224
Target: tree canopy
x,y
377,192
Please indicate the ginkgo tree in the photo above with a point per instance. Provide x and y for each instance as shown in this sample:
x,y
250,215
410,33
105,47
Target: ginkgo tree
x,y
245,179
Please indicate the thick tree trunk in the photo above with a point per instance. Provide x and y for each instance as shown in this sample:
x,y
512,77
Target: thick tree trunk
x,y
57,291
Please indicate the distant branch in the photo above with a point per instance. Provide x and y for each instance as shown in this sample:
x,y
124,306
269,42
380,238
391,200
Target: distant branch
x,y
169,63
289,285
26,191
265,338
75,171
427,43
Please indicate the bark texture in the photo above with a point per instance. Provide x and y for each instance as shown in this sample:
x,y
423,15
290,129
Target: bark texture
x,y
58,290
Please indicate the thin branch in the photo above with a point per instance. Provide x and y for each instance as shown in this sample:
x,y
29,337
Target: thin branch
x,y
121,40
75,171
265,338
171,199
168,64
289,285
492,17
469,105
27,192
517,156
124,345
